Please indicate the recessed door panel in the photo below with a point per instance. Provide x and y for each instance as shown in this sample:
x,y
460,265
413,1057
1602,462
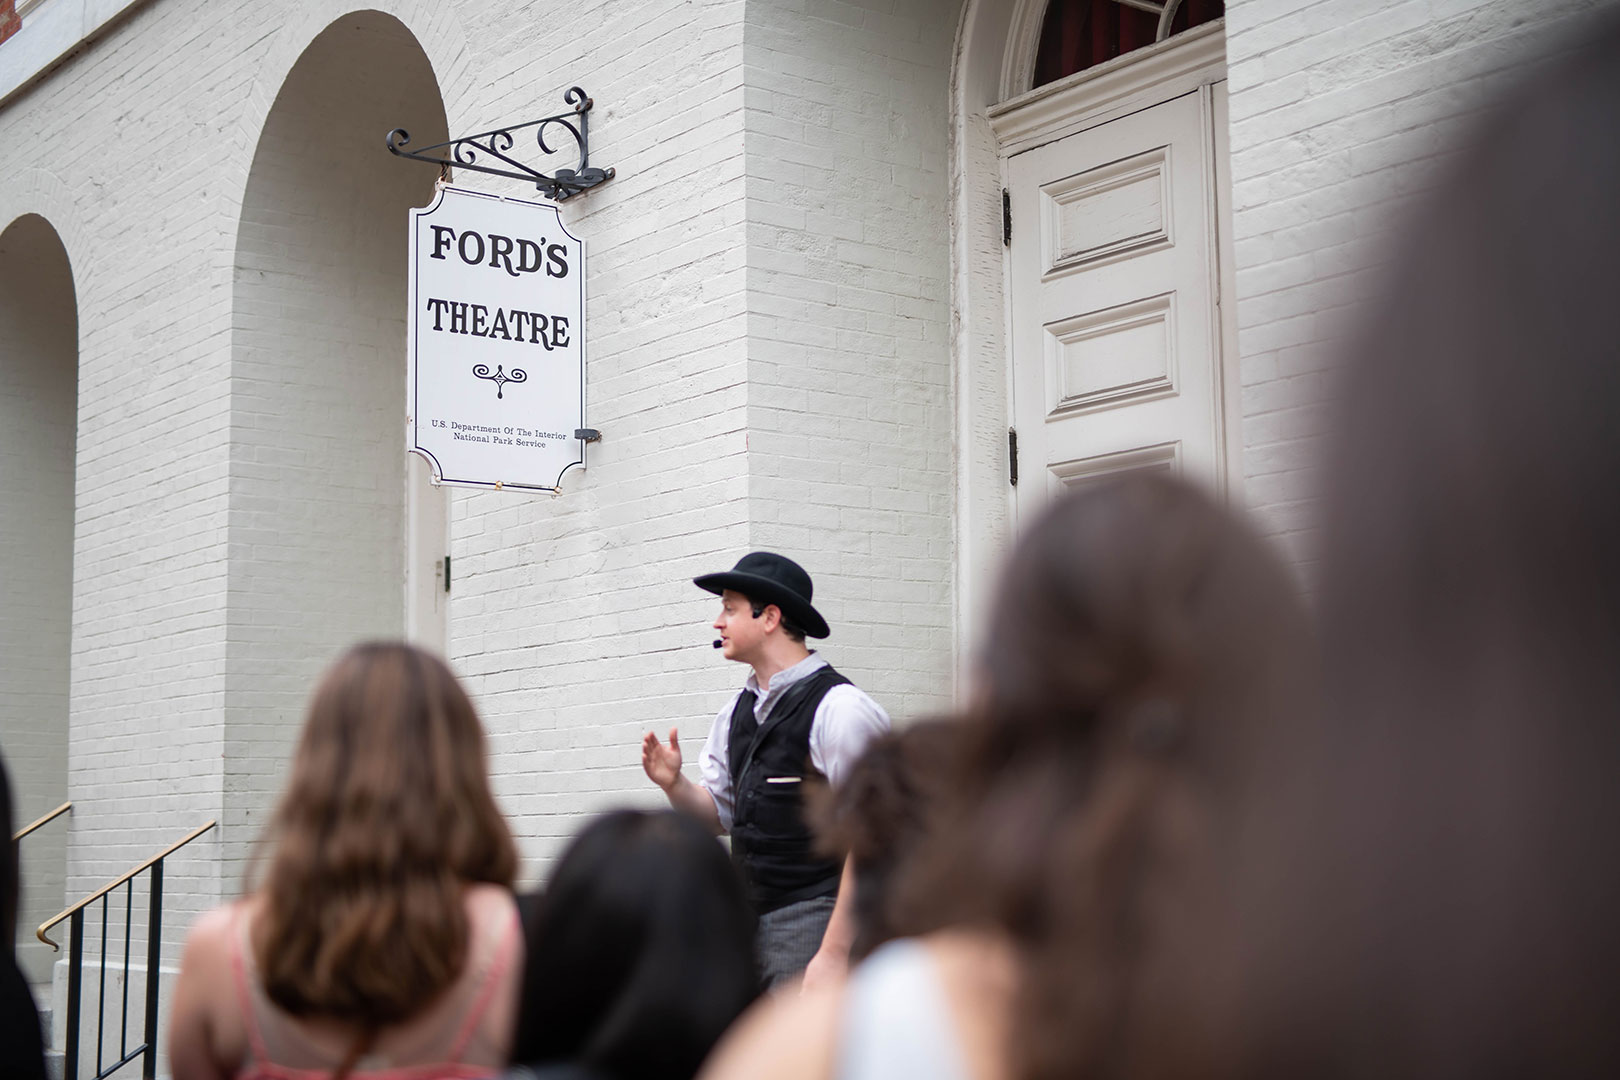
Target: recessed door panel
x,y
1116,355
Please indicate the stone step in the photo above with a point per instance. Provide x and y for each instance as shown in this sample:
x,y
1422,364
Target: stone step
x,y
55,1060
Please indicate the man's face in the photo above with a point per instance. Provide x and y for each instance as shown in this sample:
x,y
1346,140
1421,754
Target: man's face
x,y
741,633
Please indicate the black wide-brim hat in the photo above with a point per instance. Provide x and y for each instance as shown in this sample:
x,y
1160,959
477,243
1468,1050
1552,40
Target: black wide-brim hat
x,y
767,578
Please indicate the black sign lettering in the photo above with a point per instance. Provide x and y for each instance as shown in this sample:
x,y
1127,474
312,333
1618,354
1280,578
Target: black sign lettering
x,y
509,324
556,261
516,256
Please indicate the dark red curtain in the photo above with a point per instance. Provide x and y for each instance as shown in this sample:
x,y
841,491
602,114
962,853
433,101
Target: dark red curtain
x,y
1079,34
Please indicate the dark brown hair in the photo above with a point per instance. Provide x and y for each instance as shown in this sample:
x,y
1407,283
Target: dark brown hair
x,y
1452,885
1142,637
790,629
880,816
641,952
386,818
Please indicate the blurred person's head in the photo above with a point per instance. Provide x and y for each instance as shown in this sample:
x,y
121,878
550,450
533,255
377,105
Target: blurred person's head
x,y
880,816
641,952
1443,882
386,818
1142,639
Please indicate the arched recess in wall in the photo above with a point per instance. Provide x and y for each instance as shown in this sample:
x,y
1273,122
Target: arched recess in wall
x,y
39,391
334,536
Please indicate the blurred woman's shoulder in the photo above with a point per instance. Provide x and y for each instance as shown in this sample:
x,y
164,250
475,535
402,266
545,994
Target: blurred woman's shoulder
x,y
497,957
960,982
787,1035
212,940
206,1027
487,901
978,976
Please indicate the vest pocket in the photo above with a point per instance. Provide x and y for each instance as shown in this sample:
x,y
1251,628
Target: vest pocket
x,y
779,811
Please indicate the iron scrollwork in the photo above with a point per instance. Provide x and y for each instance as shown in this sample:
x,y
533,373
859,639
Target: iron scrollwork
x,y
469,151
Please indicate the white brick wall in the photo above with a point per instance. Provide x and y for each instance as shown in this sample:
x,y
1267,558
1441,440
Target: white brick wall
x,y
148,546
851,455
573,618
165,113
1340,111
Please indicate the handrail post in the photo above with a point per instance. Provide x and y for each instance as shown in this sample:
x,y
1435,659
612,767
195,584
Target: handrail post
x,y
101,998
75,983
154,951
154,930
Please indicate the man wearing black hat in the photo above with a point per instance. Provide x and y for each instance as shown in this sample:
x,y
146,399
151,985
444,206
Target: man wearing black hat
x,y
795,718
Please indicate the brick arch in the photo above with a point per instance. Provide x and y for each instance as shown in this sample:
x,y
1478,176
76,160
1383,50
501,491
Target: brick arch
x,y
319,519
39,376
41,192
436,28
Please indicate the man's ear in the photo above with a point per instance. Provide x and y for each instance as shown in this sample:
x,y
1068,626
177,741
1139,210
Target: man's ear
x,y
771,617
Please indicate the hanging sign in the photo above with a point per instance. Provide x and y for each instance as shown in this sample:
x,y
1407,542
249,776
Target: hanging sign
x,y
496,341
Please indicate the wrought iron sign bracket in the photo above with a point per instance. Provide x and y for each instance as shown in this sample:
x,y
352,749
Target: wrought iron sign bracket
x,y
471,151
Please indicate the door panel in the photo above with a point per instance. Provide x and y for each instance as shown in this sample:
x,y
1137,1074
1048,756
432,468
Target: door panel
x,y
1114,347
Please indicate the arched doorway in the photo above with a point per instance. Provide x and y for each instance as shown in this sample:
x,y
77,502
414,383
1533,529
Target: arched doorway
x,y
39,390
335,536
1092,337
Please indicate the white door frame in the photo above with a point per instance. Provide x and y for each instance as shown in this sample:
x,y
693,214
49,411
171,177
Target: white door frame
x,y
995,55
427,547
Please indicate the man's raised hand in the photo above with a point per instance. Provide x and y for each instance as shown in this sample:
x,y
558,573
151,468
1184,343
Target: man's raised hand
x,y
661,763
663,767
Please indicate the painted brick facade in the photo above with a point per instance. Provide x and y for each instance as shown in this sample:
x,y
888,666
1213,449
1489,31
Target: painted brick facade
x,y
849,418
796,254
572,617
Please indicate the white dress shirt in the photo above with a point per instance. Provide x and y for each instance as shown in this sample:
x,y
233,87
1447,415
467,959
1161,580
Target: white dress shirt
x,y
845,720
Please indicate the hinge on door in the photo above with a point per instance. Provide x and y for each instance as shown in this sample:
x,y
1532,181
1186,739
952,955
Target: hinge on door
x,y
1006,218
447,573
1012,456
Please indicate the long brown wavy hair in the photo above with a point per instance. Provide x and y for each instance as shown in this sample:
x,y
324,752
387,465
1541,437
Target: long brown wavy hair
x,y
1142,641
386,819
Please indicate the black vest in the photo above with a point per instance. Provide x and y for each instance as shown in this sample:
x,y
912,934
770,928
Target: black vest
x,y
770,842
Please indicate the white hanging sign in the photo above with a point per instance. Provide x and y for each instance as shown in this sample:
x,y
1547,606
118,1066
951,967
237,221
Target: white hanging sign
x,y
496,341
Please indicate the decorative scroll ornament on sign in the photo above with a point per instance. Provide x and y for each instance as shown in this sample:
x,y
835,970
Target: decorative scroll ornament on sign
x,y
500,378
476,152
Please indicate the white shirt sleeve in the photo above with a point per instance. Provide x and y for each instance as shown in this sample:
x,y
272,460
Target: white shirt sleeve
x,y
714,767
845,721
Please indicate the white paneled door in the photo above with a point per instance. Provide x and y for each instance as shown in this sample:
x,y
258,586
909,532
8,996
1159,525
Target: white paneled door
x,y
1115,337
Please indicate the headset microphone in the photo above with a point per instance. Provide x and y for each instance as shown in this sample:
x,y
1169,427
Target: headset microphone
x,y
718,643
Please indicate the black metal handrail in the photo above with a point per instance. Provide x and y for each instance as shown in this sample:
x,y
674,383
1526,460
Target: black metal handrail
x,y
31,826
154,935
